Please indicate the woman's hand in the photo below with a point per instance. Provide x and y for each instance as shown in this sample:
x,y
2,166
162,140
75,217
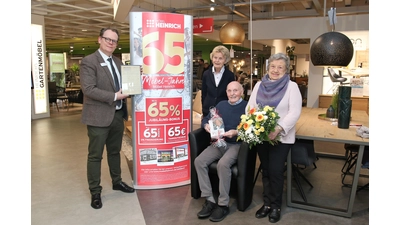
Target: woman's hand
x,y
275,133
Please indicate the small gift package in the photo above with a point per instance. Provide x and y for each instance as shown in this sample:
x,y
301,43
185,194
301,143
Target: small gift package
x,y
217,128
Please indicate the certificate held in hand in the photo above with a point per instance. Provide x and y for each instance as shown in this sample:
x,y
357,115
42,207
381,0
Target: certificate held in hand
x,y
131,79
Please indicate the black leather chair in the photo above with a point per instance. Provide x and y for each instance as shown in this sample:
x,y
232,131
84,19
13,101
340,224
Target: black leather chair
x,y
242,172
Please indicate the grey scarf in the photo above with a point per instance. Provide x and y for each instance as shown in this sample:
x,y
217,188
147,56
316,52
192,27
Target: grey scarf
x,y
271,92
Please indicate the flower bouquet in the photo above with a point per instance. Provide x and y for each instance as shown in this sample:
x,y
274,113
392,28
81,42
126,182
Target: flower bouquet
x,y
255,126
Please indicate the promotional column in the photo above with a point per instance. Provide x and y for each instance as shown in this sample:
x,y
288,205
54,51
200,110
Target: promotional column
x,y
162,44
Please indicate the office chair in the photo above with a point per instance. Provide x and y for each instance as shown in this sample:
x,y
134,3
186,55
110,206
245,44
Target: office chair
x,y
242,171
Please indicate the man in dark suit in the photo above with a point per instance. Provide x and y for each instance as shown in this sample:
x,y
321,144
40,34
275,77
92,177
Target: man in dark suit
x,y
104,111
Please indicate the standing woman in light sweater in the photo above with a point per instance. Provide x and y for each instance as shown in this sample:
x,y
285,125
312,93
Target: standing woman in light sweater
x,y
276,90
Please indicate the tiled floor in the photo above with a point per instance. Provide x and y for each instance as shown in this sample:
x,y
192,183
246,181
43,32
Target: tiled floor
x,y
59,192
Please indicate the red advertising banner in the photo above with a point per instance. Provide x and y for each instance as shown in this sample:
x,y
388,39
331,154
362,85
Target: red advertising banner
x,y
203,25
162,44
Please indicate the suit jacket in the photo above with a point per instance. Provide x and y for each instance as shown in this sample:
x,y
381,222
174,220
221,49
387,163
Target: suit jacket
x,y
99,91
210,93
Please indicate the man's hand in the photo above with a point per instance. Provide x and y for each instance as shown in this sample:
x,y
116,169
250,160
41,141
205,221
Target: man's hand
x,y
231,133
207,127
120,95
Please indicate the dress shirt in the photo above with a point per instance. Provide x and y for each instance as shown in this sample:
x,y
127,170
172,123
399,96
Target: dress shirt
x,y
105,57
218,76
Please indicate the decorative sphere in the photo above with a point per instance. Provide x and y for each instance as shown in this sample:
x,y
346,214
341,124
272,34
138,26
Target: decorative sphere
x,y
231,33
331,49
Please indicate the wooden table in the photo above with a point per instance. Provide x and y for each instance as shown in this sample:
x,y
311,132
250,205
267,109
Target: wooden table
x,y
311,128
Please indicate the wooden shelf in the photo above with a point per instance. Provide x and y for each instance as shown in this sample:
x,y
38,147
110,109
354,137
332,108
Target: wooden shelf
x,y
358,103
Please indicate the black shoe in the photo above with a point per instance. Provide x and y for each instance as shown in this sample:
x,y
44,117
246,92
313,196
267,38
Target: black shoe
x,y
263,211
207,209
275,215
123,187
219,213
96,201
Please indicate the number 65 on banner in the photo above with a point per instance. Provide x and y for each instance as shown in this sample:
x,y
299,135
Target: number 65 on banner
x,y
163,57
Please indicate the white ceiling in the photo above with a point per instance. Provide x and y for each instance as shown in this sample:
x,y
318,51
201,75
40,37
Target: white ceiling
x,y
77,21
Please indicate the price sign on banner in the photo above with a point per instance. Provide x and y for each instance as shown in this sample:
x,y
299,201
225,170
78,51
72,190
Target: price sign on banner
x,y
177,132
163,110
151,134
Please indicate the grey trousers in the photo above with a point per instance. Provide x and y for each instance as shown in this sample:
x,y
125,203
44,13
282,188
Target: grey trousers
x,y
227,157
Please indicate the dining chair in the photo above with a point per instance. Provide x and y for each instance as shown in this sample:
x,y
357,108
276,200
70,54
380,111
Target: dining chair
x,y
350,162
52,88
303,155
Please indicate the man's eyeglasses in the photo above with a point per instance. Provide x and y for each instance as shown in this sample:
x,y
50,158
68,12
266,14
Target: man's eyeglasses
x,y
110,41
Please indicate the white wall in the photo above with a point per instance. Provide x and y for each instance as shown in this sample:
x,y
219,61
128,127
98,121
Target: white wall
x,y
308,28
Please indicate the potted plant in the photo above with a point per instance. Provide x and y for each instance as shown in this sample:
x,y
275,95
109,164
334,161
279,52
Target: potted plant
x,y
335,101
290,51
74,72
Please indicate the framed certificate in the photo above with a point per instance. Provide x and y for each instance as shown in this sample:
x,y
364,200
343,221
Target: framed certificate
x,y
131,79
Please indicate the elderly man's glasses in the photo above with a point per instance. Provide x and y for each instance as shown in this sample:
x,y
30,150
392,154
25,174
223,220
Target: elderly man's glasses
x,y
110,41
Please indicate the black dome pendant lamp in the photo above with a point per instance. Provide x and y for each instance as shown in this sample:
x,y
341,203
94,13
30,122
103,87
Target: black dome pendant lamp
x,y
332,48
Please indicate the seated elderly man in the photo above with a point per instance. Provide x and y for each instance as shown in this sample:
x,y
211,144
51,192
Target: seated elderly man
x,y
230,111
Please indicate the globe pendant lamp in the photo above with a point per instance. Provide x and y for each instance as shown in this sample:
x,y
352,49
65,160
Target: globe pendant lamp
x,y
332,48
231,33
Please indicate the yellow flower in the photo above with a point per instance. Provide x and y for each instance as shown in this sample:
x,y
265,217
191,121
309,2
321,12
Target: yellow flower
x,y
259,117
262,129
256,132
267,108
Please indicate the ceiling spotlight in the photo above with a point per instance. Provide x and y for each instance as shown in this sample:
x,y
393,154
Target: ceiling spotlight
x,y
212,8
